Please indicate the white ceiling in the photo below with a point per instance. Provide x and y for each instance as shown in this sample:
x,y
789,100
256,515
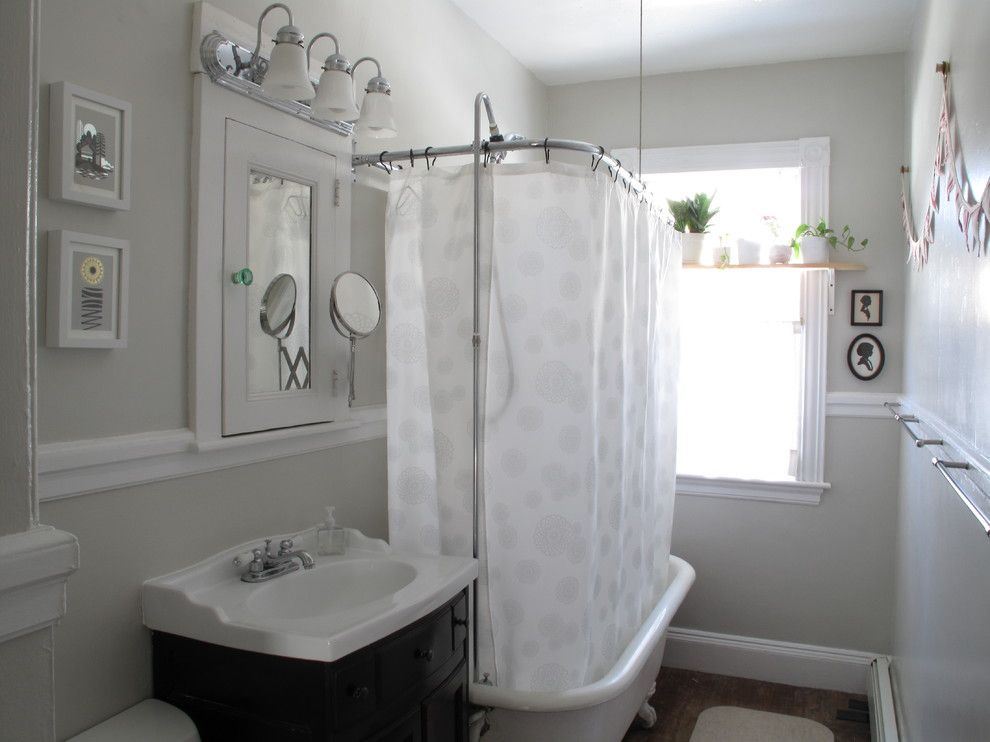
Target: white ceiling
x,y
566,41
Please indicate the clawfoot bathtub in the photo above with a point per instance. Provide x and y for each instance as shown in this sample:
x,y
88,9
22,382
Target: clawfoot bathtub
x,y
603,710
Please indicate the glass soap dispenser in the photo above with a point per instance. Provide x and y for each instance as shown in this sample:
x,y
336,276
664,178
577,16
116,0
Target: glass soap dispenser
x,y
330,538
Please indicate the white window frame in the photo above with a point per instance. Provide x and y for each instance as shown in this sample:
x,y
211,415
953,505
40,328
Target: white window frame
x,y
812,155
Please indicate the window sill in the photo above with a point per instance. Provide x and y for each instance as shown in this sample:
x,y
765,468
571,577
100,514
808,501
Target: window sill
x,y
795,493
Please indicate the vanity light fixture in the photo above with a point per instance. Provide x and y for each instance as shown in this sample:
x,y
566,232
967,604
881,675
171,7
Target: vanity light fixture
x,y
335,93
286,77
284,83
376,120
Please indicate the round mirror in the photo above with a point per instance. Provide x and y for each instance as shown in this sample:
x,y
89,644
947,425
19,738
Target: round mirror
x,y
278,306
354,306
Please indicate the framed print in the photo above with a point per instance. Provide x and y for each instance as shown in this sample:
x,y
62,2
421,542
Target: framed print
x,y
87,291
867,308
90,148
866,357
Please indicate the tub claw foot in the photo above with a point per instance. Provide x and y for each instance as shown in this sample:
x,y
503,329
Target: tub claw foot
x,y
647,714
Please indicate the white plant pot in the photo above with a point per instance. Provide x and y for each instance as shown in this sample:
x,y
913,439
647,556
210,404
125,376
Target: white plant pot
x,y
780,254
691,244
814,250
747,252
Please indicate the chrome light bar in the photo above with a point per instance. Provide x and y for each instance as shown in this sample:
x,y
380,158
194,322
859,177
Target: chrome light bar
x,y
229,66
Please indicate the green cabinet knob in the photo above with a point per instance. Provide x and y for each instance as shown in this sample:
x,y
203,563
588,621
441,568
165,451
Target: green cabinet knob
x,y
243,277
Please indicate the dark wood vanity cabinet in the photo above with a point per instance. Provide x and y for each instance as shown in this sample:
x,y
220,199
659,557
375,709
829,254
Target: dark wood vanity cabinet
x,y
409,687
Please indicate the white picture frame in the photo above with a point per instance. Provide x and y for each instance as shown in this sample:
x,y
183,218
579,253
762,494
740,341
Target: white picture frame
x,y
87,291
98,173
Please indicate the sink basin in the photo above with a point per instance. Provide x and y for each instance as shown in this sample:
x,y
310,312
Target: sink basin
x,y
341,605
330,587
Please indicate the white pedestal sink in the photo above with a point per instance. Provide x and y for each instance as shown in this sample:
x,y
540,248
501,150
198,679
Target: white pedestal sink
x,y
341,605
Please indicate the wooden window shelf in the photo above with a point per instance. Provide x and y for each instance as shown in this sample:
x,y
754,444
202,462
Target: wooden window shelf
x,y
785,266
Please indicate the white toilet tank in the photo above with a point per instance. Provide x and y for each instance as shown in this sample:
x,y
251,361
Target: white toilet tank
x,y
149,721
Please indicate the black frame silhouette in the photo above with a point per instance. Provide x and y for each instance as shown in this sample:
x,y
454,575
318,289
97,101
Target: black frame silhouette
x,y
878,365
877,307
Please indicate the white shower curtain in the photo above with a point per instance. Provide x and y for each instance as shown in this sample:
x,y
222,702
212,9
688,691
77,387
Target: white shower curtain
x,y
579,356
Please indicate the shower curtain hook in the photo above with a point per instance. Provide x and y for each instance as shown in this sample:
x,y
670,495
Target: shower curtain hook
x,y
596,163
618,167
387,167
546,149
412,162
426,158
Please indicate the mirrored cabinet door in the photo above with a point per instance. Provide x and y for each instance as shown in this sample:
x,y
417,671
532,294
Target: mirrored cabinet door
x,y
278,347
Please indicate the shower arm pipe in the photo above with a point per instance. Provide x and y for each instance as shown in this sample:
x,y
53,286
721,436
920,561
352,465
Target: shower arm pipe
x,y
572,145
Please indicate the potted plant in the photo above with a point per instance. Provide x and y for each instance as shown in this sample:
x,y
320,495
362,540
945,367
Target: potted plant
x,y
780,252
816,240
692,217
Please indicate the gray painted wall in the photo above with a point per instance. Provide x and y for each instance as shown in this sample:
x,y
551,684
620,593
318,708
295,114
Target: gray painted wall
x,y
26,688
138,50
941,647
817,575
808,574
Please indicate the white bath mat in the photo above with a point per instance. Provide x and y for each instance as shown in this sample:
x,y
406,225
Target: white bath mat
x,y
734,724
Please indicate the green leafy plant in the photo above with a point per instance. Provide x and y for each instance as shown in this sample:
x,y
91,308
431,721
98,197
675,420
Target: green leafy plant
x,y
844,238
693,214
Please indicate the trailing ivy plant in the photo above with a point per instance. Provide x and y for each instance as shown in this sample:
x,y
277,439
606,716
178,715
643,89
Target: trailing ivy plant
x,y
844,238
693,214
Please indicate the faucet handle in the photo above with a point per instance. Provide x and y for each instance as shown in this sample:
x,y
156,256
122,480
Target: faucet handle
x,y
268,547
253,558
285,545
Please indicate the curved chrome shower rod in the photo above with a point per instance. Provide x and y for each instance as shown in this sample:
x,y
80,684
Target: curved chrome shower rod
x,y
406,155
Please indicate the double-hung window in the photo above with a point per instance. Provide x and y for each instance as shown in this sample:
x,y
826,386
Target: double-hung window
x,y
751,399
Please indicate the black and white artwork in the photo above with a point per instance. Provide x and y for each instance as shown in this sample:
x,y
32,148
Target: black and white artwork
x,y
866,357
91,147
87,291
867,307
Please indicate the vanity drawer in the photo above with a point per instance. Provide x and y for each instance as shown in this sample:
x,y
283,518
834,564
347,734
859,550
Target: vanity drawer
x,y
409,660
353,694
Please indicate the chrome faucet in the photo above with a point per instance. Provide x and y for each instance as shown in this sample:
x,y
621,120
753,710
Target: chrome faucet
x,y
264,565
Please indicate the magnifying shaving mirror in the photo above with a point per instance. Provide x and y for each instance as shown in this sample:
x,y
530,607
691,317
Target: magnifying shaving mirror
x,y
278,307
355,311
278,318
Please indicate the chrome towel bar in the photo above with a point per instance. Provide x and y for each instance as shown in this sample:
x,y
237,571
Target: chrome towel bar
x,y
904,420
944,466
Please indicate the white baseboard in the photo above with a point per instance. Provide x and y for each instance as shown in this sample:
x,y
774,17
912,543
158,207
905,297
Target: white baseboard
x,y
804,665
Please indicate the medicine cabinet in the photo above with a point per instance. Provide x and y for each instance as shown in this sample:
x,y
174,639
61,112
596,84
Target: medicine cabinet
x,y
271,232
278,214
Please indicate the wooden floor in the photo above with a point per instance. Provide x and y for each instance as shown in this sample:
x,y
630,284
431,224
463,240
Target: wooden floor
x,y
682,695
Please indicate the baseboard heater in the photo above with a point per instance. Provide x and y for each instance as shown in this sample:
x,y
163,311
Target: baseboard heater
x,y
883,719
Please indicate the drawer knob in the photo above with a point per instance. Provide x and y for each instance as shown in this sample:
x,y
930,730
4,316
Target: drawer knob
x,y
359,692
424,654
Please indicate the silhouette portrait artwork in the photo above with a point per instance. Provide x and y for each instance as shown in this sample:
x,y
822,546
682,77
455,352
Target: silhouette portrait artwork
x,y
865,357
864,350
866,307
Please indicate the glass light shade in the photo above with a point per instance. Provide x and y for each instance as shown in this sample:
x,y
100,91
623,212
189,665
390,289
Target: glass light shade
x,y
288,74
376,116
335,97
